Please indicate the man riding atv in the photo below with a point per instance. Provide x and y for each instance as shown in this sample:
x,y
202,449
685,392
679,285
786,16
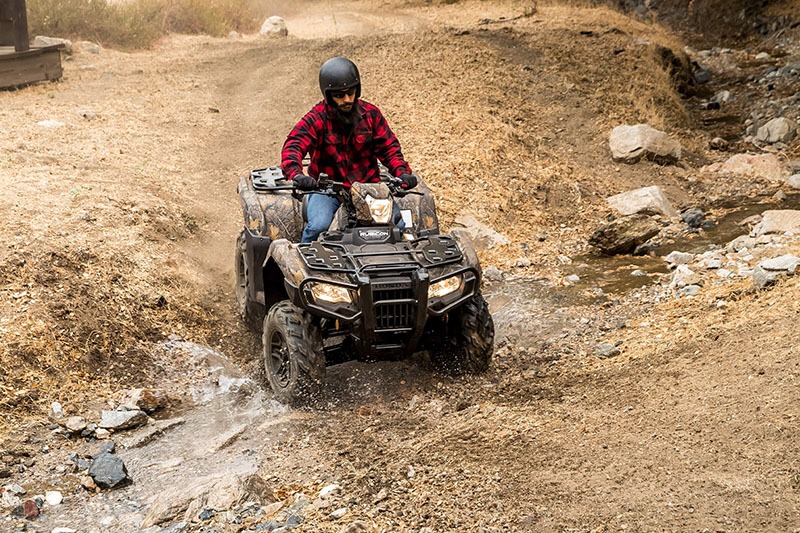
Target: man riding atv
x,y
345,137
348,262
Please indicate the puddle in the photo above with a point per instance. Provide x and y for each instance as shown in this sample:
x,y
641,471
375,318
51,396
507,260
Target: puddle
x,y
622,273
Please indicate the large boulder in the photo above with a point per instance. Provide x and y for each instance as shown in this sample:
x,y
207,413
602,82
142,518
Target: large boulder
x,y
646,199
274,27
779,129
777,221
629,144
624,234
766,166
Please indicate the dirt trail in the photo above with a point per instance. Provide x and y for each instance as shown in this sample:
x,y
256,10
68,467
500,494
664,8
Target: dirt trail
x,y
124,218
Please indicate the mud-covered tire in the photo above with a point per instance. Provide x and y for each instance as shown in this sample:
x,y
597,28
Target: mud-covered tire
x,y
252,312
464,345
294,359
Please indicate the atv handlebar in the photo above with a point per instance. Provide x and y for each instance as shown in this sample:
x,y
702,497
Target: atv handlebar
x,y
329,187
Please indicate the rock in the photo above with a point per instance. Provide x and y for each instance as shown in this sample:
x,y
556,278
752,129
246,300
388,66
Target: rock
x,y
675,258
30,509
88,483
483,237
689,290
9,499
108,471
779,129
777,221
220,492
630,144
743,242
764,278
492,273
605,350
573,278
75,424
62,530
338,513
118,420
329,491
42,41
53,497
147,400
767,166
15,489
646,199
793,181
87,47
151,431
722,97
624,234
57,410
274,27
693,217
522,262
786,263
684,276
718,143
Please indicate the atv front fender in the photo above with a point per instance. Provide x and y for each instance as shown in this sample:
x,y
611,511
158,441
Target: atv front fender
x,y
461,236
286,275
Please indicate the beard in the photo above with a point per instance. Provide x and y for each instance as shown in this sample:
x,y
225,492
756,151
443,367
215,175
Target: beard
x,y
348,118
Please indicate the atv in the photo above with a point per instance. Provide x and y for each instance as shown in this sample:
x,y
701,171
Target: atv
x,y
375,286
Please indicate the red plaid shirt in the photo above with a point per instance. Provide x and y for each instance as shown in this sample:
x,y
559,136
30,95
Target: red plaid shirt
x,y
347,157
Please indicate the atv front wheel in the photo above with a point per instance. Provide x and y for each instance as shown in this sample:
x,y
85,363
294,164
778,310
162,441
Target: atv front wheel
x,y
294,360
465,343
251,311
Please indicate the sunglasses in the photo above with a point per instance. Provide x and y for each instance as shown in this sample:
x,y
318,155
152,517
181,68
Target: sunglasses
x,y
341,94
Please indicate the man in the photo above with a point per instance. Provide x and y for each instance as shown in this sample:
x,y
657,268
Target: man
x,y
345,137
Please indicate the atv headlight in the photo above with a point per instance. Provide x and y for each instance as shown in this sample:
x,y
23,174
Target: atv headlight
x,y
445,286
380,209
326,292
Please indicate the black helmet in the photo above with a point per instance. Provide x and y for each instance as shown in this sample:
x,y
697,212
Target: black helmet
x,y
338,74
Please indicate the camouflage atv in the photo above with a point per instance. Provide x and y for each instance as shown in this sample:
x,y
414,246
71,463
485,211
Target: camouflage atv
x,y
364,290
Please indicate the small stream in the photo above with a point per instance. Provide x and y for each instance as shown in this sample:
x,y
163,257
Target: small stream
x,y
621,273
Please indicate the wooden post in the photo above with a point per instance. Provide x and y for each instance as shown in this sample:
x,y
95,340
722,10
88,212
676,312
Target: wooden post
x,y
19,15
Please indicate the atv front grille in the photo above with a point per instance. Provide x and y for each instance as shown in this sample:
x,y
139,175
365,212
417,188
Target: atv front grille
x,y
395,306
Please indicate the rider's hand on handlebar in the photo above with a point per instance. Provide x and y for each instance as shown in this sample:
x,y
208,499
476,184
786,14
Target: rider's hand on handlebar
x,y
304,183
407,181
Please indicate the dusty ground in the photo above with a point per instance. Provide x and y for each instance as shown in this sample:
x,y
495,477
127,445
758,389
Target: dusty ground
x,y
121,219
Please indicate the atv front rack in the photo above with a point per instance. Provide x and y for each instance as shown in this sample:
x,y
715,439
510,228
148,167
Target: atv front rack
x,y
433,251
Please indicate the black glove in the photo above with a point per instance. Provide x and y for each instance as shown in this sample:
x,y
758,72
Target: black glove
x,y
407,181
305,183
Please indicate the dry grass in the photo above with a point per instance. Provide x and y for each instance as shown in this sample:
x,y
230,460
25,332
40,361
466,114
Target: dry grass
x,y
138,23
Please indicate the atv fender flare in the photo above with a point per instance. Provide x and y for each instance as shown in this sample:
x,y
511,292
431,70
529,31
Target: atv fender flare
x,y
283,270
464,241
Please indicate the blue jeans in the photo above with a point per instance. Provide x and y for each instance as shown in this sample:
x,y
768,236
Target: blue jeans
x,y
322,208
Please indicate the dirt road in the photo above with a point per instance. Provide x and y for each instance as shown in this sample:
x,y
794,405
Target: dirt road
x,y
118,188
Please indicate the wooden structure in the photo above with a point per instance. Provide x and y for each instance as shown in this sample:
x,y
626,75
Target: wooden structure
x,y
20,64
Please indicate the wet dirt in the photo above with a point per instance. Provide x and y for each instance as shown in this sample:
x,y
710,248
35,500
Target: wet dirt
x,y
691,427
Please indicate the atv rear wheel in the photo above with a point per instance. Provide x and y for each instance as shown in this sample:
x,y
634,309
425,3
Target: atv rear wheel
x,y
294,360
251,311
465,343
